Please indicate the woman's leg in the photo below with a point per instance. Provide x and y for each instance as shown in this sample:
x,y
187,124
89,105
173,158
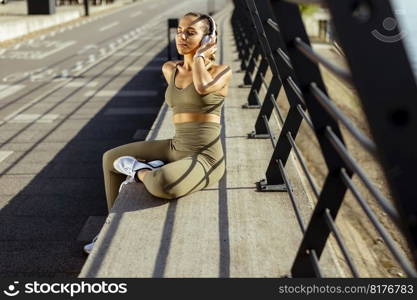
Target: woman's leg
x,y
183,176
142,150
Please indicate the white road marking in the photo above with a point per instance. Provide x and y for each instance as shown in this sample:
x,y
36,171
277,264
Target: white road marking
x,y
64,73
109,26
40,54
87,48
136,14
7,90
116,93
29,118
81,84
78,65
134,53
17,46
124,53
4,155
15,77
60,47
137,69
43,74
132,47
131,111
154,38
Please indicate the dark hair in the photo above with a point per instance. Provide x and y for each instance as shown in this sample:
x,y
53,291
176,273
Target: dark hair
x,y
207,28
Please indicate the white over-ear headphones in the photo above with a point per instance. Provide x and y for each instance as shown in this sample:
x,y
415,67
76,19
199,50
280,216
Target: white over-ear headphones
x,y
207,37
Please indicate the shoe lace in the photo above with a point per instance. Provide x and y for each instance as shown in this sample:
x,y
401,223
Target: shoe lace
x,y
128,180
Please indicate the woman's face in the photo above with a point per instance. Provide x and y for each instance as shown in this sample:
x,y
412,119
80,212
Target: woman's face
x,y
189,34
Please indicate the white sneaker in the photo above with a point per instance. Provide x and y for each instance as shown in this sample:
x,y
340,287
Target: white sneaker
x,y
129,165
89,247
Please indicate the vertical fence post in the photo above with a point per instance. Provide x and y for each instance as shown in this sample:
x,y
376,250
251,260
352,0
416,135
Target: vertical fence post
x,y
86,8
250,47
253,99
243,42
291,26
172,23
277,51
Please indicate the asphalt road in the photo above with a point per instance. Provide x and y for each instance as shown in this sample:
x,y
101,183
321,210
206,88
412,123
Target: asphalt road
x,y
65,98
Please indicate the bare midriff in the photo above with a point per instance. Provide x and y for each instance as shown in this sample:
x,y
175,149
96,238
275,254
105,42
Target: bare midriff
x,y
195,117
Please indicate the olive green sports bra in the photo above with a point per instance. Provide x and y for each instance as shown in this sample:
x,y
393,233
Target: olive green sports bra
x,y
188,100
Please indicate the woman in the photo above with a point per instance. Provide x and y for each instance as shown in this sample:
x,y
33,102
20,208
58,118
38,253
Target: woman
x,y
193,159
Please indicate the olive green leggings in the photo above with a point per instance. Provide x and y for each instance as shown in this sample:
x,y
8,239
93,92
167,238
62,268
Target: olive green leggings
x,y
193,161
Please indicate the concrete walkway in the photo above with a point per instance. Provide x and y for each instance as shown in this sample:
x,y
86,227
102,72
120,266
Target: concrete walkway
x,y
229,230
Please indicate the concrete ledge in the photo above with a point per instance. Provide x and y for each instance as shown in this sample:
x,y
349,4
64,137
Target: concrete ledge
x,y
228,230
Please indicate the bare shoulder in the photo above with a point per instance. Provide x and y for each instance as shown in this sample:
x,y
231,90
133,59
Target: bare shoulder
x,y
170,63
168,67
221,75
222,70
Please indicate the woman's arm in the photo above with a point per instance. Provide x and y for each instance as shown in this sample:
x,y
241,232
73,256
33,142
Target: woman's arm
x,y
206,83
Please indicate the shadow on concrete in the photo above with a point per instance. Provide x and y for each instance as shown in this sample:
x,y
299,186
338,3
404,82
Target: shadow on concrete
x,y
39,226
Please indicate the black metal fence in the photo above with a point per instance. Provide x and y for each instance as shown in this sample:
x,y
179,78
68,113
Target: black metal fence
x,y
271,34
